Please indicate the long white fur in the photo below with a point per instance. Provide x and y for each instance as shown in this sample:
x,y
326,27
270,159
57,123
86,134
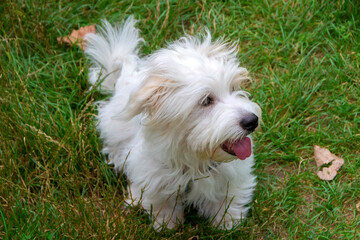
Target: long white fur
x,y
155,129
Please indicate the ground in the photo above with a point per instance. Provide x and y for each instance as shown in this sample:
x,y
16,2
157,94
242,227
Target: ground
x,y
304,59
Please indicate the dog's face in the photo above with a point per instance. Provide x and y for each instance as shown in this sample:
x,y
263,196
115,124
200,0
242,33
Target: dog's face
x,y
192,96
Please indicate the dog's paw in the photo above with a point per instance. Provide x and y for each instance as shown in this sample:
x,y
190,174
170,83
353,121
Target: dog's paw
x,y
168,218
158,225
129,201
228,221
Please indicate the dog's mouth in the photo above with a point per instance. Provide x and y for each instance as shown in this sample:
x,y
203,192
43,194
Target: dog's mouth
x,y
240,148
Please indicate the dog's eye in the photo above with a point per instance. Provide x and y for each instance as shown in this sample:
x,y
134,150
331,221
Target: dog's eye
x,y
209,100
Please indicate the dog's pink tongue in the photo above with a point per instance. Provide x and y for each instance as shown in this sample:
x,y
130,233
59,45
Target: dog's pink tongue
x,y
242,148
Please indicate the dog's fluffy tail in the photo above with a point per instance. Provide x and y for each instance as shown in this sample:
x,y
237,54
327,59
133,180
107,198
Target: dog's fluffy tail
x,y
112,50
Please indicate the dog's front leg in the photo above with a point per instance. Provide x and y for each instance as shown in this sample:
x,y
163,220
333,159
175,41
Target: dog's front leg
x,y
229,206
167,214
227,213
234,207
166,211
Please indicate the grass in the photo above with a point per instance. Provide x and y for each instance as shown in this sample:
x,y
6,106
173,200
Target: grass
x,y
304,57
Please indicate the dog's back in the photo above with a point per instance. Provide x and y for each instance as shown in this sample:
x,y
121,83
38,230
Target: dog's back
x,y
113,54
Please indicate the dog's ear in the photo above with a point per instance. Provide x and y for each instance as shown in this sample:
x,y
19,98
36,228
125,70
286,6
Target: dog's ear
x,y
149,98
242,78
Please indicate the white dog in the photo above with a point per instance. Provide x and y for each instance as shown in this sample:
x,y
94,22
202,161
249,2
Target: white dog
x,y
176,124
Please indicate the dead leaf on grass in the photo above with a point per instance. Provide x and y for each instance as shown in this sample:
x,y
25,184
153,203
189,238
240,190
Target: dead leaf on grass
x,y
324,156
358,207
77,36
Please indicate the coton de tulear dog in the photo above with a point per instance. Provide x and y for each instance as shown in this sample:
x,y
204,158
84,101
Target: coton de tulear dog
x,y
177,124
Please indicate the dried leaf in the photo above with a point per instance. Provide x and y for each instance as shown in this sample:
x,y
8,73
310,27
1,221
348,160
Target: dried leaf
x,y
330,172
77,36
358,207
324,156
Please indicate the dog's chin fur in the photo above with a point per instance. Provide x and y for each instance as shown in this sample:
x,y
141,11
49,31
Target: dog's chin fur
x,y
158,129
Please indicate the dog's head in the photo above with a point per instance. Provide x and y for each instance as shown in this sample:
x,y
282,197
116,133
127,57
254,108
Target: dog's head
x,y
192,96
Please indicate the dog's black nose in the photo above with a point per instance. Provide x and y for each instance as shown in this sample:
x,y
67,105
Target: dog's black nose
x,y
249,122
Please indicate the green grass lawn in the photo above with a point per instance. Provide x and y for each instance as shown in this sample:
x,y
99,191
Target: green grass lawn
x,y
304,58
